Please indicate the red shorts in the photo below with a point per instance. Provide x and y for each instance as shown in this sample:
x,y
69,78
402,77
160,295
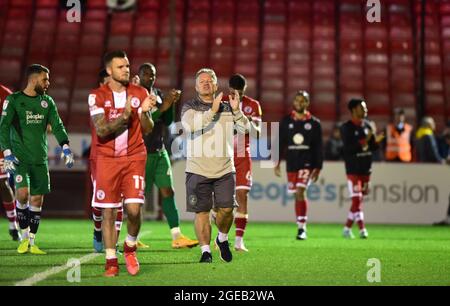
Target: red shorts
x,y
358,185
244,178
301,178
3,173
115,180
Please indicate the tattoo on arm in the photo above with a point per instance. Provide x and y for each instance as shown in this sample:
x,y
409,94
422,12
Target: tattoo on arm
x,y
147,123
104,128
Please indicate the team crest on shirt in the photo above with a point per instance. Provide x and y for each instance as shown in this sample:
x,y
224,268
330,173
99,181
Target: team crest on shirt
x,y
291,125
308,126
44,104
19,179
91,100
298,139
248,109
135,102
5,104
108,103
100,195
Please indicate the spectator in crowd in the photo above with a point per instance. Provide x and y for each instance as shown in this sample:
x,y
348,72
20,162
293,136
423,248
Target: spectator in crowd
x,y
426,145
398,142
443,143
334,145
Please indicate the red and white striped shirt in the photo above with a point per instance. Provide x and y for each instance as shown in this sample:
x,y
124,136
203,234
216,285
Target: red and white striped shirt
x,y
124,143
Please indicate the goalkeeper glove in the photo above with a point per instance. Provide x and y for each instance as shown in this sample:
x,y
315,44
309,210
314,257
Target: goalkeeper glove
x,y
10,160
68,156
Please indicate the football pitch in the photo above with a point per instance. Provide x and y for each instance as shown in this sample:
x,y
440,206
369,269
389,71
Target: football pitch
x,y
402,255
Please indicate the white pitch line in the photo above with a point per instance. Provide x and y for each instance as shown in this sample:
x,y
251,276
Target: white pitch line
x,y
55,270
38,277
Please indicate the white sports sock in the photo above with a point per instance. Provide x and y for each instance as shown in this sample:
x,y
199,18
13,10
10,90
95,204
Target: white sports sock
x,y
175,232
205,248
26,233
131,241
32,238
223,237
238,241
110,253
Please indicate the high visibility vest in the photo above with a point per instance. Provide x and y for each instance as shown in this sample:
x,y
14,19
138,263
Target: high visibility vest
x,y
398,145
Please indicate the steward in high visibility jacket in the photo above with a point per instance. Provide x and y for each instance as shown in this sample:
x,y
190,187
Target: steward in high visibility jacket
x,y
398,143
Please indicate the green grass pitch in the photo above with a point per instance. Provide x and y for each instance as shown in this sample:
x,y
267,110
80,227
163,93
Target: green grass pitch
x,y
409,255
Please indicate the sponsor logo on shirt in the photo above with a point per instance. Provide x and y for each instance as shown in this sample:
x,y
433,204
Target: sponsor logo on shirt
x,y
108,103
91,100
34,118
114,114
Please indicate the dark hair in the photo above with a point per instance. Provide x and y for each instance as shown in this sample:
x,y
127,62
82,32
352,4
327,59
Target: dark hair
x,y
354,103
303,93
102,75
399,111
146,65
237,82
36,69
107,59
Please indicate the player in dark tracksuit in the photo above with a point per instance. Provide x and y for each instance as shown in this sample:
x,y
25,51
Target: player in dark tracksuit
x,y
360,141
301,142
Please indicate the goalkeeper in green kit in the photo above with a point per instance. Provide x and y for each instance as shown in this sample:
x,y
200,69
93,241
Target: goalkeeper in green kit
x,y
23,140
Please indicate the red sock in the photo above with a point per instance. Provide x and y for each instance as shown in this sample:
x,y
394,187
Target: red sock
x,y
240,223
113,262
97,217
10,209
301,209
128,249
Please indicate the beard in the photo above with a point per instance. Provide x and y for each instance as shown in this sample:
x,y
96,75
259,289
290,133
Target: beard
x,y
39,90
123,82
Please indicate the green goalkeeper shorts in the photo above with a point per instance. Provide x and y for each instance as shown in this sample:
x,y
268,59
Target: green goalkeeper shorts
x,y
34,177
158,171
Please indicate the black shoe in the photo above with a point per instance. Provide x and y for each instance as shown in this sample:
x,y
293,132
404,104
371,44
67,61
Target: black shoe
x,y
301,235
441,223
14,234
206,257
224,250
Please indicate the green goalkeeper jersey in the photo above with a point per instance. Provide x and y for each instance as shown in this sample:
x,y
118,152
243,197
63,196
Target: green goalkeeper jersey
x,y
23,127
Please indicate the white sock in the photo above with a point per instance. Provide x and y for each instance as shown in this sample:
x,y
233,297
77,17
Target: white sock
x,y
238,240
13,225
26,233
110,253
32,238
205,248
347,229
131,241
223,237
175,232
